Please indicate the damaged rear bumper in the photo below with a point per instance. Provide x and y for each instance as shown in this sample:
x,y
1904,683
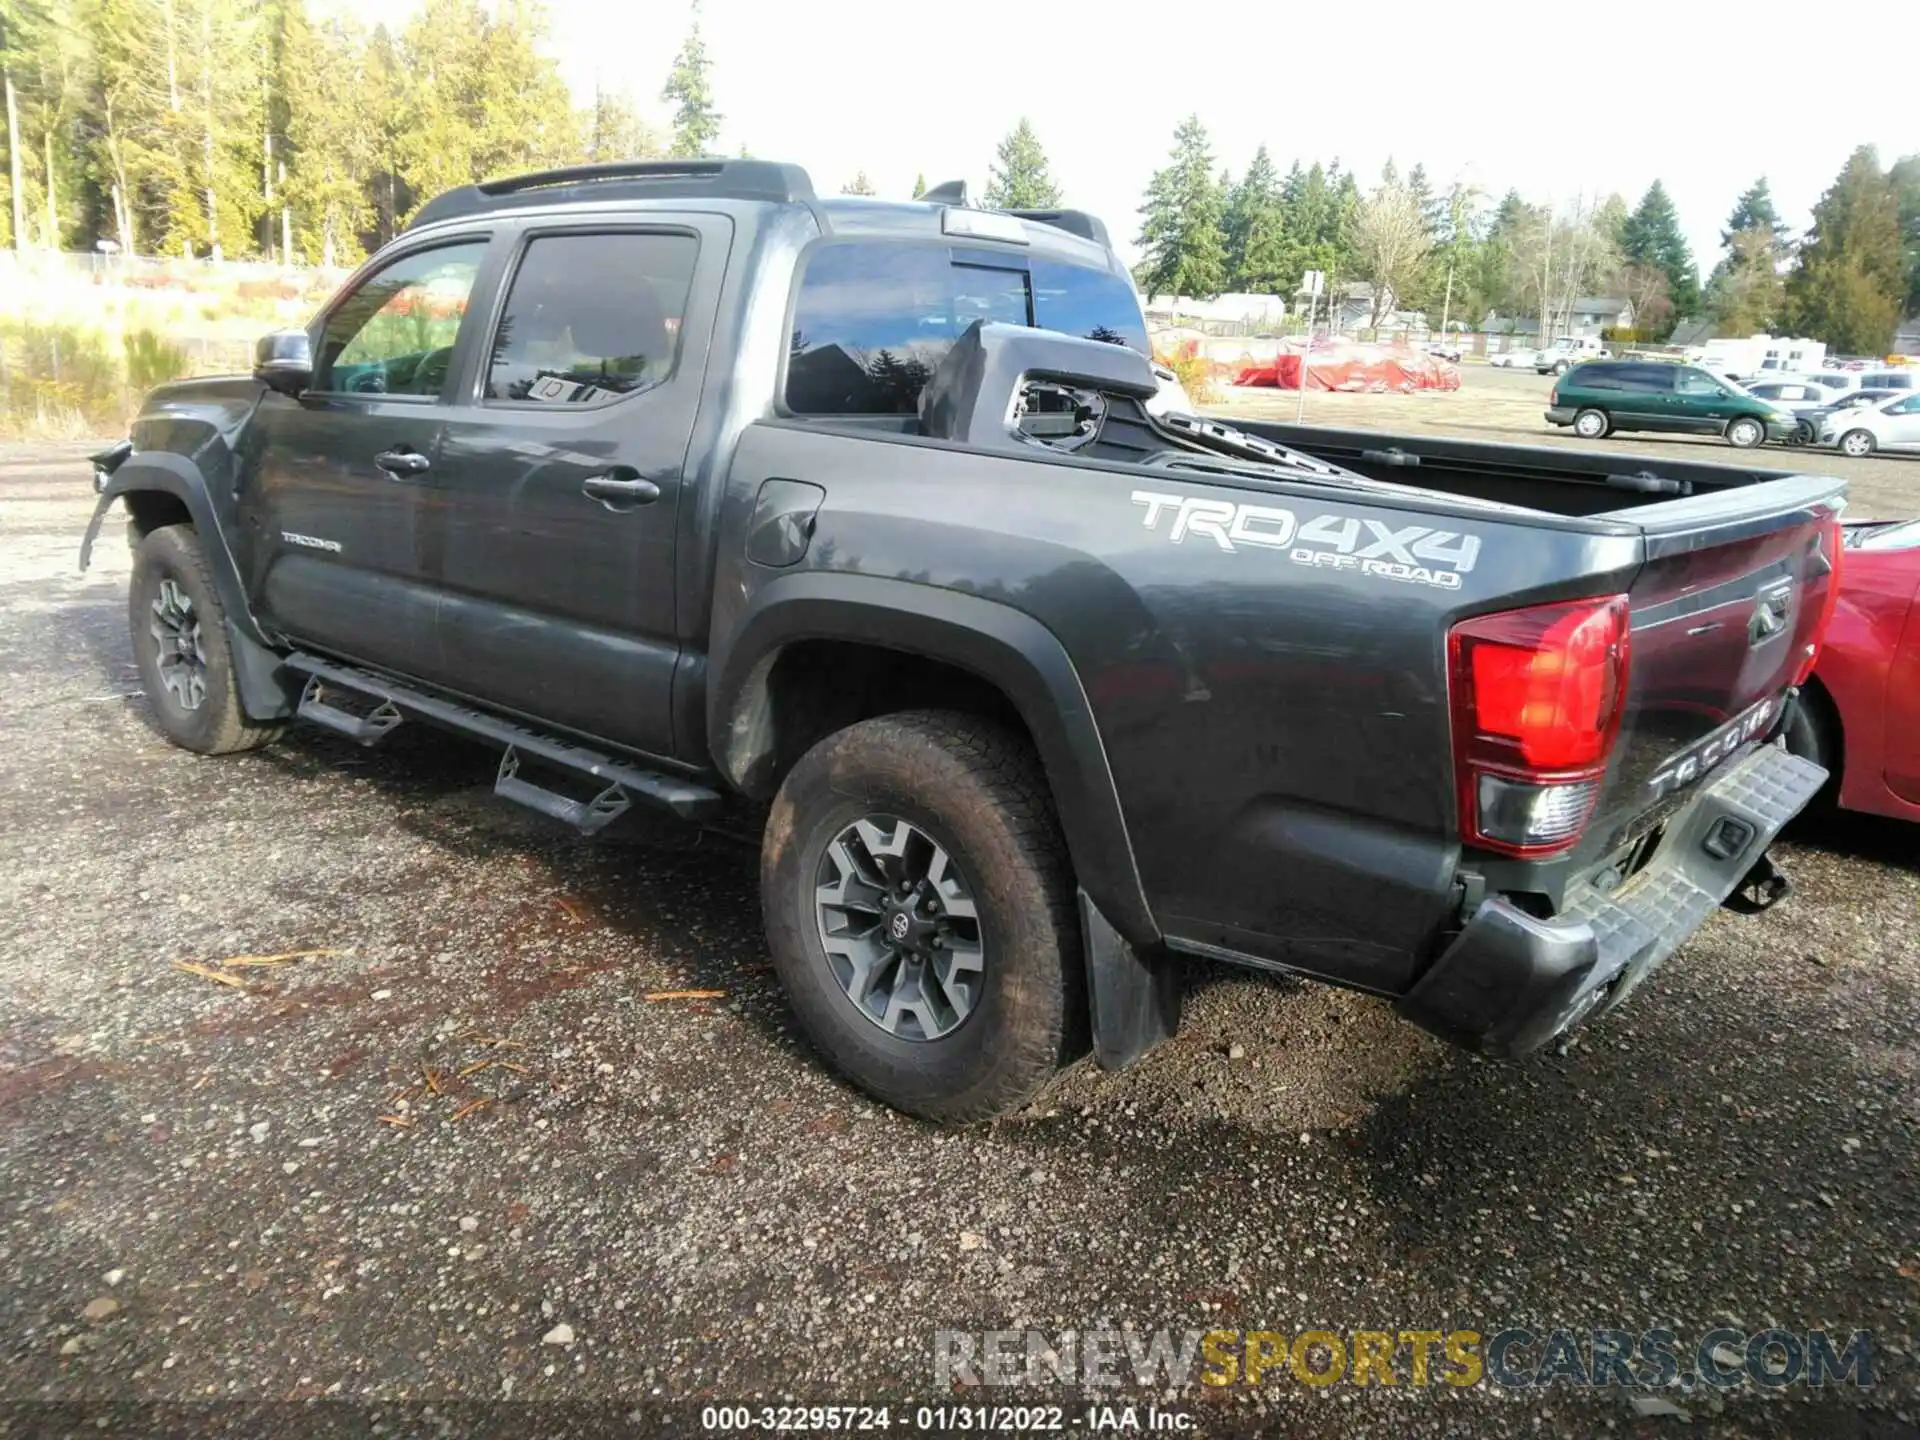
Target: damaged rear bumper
x,y
1509,983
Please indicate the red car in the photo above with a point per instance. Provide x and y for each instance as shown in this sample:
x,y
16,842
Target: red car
x,y
1860,714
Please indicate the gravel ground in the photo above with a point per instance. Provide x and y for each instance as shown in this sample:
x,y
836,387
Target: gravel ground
x,y
220,1193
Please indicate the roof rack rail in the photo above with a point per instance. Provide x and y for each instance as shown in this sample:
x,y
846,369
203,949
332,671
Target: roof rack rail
x,y
625,180
1074,222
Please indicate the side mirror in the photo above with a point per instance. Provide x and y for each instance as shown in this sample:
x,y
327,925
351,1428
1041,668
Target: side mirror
x,y
283,361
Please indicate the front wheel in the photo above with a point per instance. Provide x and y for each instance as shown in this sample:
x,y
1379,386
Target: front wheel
x,y
1592,425
179,633
920,910
1745,434
1857,443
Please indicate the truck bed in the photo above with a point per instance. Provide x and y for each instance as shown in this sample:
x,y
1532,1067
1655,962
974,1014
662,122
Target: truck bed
x,y
1551,479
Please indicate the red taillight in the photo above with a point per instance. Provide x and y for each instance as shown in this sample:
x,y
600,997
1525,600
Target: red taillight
x,y
1553,396
1537,696
1832,545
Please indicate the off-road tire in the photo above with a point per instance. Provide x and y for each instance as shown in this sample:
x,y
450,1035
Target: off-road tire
x,y
1605,425
978,789
1746,433
217,725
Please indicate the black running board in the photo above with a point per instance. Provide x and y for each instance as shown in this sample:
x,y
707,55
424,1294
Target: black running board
x,y
617,784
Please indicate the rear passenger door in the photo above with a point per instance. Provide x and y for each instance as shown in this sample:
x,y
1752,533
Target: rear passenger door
x,y
563,474
1644,395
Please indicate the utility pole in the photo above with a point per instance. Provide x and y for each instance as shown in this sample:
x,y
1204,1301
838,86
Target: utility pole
x,y
1312,282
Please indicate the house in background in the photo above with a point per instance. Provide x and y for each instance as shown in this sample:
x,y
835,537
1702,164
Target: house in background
x,y
1591,314
1690,333
1350,307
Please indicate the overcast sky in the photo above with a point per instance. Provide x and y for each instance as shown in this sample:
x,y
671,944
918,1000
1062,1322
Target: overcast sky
x,y
1494,92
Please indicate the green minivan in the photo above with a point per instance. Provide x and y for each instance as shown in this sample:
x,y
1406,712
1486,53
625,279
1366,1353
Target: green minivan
x,y
1607,395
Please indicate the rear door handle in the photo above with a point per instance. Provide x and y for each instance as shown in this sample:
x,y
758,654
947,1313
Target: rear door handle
x,y
617,493
401,463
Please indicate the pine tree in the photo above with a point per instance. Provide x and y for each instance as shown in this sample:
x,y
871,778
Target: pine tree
x,y
1453,295
1905,178
1185,252
48,71
1255,227
696,124
330,170
613,130
1852,281
1019,179
1753,210
919,184
478,99
1651,236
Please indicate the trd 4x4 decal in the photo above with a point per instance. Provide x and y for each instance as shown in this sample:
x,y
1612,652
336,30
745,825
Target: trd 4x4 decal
x,y
1413,554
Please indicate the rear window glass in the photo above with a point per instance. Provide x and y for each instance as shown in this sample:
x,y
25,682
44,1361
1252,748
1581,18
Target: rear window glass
x,y
874,320
1646,379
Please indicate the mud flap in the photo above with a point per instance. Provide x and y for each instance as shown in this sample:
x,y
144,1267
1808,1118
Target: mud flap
x,y
1134,998
1761,888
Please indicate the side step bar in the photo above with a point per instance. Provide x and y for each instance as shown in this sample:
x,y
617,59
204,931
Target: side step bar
x,y
618,783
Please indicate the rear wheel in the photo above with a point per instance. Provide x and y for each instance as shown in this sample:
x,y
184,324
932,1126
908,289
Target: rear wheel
x,y
920,910
179,632
1592,425
1746,433
1857,443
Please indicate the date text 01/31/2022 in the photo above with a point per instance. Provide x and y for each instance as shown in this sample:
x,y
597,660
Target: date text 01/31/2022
x,y
945,1419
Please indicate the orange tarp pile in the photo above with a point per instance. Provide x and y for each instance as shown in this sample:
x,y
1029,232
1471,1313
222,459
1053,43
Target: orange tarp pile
x,y
1335,364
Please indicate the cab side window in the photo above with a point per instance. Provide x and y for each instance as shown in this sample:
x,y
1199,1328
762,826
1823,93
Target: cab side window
x,y
1697,382
394,334
874,320
590,318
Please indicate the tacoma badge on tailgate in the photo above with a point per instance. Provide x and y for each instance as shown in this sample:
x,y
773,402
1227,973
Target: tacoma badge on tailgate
x,y
1690,764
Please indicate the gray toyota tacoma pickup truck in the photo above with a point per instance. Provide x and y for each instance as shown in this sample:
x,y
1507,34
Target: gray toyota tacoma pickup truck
x,y
685,488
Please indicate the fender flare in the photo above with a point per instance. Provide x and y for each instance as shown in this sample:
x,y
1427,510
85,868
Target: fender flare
x,y
264,691
1007,648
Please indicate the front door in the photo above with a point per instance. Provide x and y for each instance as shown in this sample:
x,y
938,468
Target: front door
x,y
563,472
1701,405
339,506
1901,428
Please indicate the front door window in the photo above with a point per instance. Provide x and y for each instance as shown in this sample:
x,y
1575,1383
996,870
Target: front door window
x,y
394,334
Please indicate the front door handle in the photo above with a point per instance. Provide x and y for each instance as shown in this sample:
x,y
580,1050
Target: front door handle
x,y
401,463
618,493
